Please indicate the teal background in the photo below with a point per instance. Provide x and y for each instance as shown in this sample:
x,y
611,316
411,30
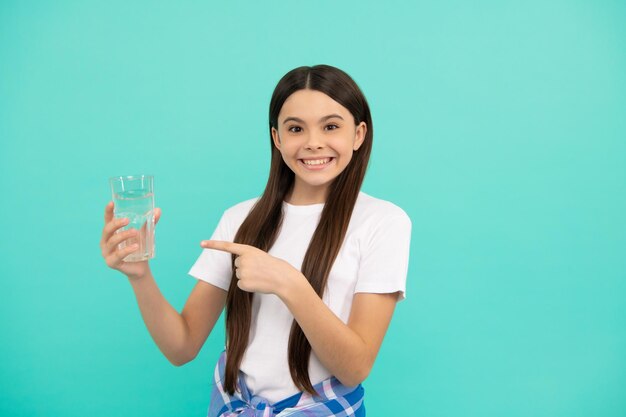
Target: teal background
x,y
499,127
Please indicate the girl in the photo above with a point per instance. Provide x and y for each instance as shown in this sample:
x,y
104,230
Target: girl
x,y
309,272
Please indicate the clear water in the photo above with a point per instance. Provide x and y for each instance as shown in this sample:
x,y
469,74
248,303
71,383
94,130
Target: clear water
x,y
138,207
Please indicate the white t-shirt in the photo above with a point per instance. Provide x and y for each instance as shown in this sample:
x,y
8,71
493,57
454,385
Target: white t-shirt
x,y
372,259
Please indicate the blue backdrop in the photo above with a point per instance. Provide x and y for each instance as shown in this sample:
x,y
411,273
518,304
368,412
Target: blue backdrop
x,y
498,126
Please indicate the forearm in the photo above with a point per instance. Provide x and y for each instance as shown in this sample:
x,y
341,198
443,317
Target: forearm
x,y
167,327
340,349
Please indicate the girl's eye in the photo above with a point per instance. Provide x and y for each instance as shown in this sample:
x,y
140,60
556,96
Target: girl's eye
x,y
294,127
333,127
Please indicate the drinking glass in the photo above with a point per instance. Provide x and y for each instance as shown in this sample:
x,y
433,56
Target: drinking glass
x,y
133,197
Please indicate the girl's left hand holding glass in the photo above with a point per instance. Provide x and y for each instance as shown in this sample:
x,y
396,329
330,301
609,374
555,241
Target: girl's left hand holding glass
x,y
255,269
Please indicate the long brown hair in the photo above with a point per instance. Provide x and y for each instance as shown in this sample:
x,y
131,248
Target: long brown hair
x,y
261,226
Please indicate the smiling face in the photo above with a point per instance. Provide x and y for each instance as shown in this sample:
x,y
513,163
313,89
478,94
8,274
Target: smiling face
x,y
316,137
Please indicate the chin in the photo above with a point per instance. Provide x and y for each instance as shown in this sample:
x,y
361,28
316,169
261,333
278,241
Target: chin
x,y
320,182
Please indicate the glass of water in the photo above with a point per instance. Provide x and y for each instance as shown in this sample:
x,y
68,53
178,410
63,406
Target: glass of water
x,y
133,197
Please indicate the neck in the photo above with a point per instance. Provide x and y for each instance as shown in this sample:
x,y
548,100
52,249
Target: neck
x,y
301,195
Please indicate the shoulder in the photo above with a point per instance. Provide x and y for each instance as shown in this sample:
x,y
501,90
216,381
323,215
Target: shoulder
x,y
375,210
382,228
242,208
237,213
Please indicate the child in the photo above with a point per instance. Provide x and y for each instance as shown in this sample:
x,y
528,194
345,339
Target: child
x,y
309,272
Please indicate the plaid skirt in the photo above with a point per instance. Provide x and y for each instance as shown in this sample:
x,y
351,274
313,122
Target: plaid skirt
x,y
332,399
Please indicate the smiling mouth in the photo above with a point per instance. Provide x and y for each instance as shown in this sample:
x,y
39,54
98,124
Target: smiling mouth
x,y
316,163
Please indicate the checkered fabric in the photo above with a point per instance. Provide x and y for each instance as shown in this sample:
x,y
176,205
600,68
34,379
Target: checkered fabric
x,y
332,399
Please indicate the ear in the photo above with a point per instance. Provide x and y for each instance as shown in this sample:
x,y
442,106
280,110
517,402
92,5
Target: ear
x,y
275,138
359,135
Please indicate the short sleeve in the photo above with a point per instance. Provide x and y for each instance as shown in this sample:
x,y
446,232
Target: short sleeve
x,y
385,256
214,266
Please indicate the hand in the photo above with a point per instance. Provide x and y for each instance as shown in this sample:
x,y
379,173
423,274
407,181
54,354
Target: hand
x,y
111,238
256,270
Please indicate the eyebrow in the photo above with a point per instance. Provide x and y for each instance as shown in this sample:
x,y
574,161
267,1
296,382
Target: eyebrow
x,y
323,119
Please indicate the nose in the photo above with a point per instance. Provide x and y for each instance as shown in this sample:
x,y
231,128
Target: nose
x,y
314,140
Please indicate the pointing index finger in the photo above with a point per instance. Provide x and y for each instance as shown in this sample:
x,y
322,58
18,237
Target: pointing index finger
x,y
234,248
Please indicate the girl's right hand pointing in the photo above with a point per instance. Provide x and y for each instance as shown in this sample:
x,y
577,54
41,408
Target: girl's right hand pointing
x,y
113,256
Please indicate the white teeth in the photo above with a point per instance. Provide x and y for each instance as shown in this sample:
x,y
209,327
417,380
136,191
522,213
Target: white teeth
x,y
316,161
